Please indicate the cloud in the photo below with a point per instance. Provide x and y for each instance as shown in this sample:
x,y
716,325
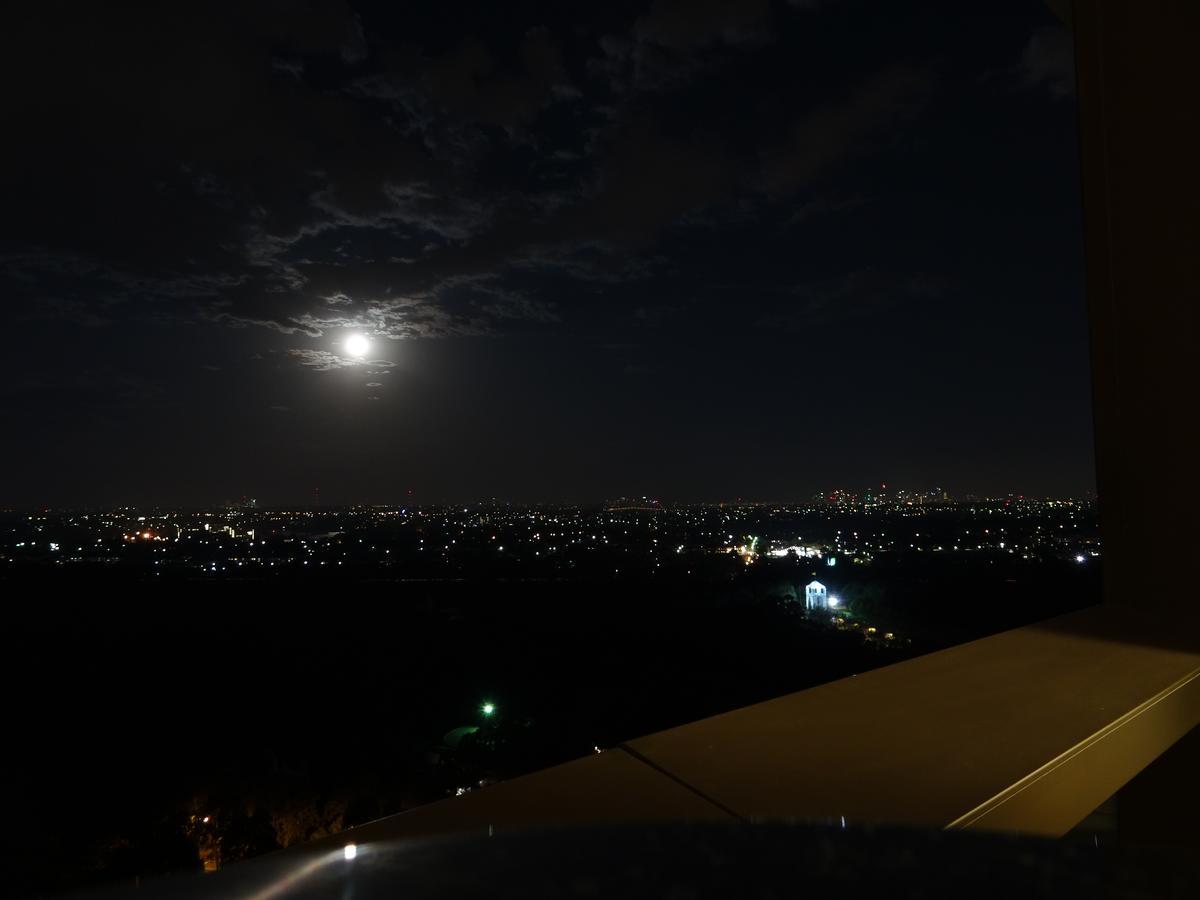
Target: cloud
x,y
858,292
321,360
325,361
822,206
89,292
669,45
1048,62
323,172
655,314
695,24
470,82
354,44
837,131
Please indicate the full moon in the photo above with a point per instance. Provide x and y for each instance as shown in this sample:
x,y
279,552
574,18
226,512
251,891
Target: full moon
x,y
357,346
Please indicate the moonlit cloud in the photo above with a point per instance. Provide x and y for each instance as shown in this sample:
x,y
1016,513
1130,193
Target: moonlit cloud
x,y
322,360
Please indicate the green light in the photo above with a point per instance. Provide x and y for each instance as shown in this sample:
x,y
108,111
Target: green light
x,y
487,709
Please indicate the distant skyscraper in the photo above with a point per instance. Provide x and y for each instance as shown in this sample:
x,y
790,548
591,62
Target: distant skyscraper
x,y
816,598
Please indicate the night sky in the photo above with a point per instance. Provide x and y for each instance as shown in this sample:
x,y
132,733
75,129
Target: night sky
x,y
689,249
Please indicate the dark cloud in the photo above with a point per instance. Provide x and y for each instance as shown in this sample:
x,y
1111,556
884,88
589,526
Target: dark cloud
x,y
838,131
470,83
688,25
824,205
323,172
1049,61
668,45
854,295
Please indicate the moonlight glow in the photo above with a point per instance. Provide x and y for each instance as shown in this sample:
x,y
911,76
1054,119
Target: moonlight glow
x,y
357,346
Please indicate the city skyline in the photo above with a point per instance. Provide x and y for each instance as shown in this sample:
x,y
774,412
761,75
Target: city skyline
x,y
837,497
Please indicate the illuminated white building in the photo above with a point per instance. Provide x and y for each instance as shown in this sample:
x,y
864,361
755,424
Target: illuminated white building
x,y
815,596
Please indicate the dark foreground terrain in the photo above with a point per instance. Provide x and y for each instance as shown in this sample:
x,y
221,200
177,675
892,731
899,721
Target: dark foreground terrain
x,y
161,724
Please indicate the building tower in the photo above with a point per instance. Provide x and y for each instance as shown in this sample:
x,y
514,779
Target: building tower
x,y
816,598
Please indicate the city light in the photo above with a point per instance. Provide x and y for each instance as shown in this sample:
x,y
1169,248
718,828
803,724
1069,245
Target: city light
x,y
1079,557
350,851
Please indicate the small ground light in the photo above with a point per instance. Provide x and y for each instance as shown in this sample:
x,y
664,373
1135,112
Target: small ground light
x,y
350,851
487,709
1080,558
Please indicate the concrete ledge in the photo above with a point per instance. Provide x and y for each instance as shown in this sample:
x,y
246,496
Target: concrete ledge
x,y
928,741
1028,730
